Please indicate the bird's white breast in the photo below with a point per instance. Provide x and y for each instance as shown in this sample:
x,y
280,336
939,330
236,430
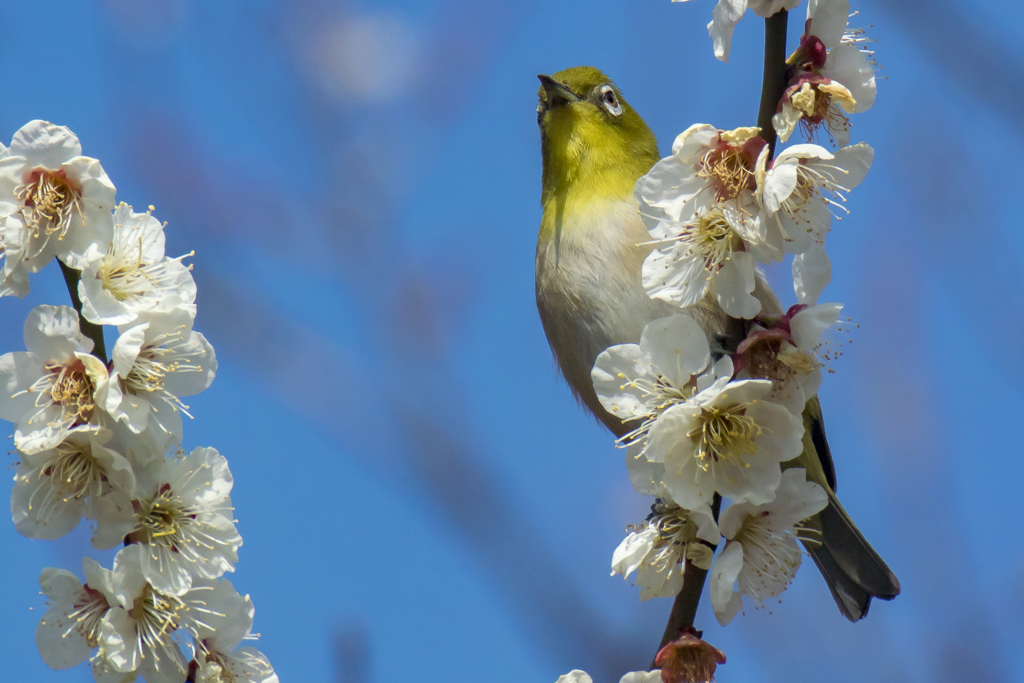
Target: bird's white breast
x,y
589,292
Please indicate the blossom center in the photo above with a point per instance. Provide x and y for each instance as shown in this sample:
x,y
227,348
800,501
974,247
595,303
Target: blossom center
x,y
148,372
162,516
728,172
156,615
72,390
725,433
167,354
715,239
50,200
75,472
659,396
773,558
798,361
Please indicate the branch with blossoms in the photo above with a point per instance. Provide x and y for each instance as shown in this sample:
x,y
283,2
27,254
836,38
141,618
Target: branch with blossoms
x,y
102,439
735,417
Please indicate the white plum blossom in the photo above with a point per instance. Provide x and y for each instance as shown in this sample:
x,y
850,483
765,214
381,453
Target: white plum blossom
x,y
133,275
656,548
727,13
156,362
761,554
728,439
55,488
181,520
802,187
70,630
832,77
577,676
50,390
220,658
713,251
141,634
707,165
637,382
63,198
788,351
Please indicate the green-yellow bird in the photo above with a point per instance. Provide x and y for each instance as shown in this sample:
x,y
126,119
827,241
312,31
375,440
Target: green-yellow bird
x,y
589,294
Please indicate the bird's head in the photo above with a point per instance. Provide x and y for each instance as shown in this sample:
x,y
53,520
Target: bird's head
x,y
592,141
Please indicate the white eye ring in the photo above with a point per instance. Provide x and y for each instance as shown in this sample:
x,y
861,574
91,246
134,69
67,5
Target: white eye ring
x,y
610,101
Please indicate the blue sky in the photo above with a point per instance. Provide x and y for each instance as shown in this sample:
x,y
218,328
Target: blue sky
x,y
419,496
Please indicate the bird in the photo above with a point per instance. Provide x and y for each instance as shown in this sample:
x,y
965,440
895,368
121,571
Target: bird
x,y
590,250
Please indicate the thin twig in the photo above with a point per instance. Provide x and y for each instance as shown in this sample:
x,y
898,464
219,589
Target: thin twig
x,y
774,82
90,330
684,609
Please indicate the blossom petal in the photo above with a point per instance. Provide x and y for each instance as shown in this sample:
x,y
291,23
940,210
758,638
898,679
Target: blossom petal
x,y
828,20
734,284
679,279
707,528
849,66
855,160
34,518
677,346
812,271
612,372
127,347
18,370
645,476
690,145
53,333
724,18
808,325
45,144
725,600
632,551
779,183
60,644
642,676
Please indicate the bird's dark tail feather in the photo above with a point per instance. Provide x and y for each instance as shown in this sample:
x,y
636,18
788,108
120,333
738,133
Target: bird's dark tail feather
x,y
852,569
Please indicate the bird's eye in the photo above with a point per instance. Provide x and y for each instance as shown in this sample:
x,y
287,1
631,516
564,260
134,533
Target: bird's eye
x,y
610,101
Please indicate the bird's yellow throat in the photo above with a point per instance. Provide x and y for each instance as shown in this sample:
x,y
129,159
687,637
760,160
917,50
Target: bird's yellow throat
x,y
594,145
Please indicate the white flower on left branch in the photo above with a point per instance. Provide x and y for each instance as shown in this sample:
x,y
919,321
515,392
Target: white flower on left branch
x,y
132,275
156,361
55,488
181,521
50,390
63,199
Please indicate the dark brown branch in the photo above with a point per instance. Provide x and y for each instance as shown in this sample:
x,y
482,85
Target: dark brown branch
x,y
684,609
90,330
774,82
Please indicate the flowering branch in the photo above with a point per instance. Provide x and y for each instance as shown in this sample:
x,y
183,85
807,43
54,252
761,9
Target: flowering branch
x,y
103,441
90,330
774,82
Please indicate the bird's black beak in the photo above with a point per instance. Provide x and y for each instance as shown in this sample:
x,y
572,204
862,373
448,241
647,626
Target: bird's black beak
x,y
556,94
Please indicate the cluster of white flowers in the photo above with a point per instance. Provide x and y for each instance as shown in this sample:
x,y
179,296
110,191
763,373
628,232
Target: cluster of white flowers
x,y
709,422
102,440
